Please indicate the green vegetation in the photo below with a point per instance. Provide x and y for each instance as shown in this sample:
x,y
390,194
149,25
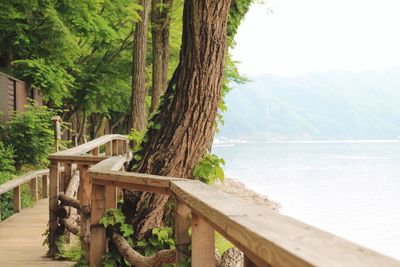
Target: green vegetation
x,y
209,169
29,141
30,134
79,54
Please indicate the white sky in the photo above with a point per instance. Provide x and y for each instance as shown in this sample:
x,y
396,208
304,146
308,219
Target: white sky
x,y
302,36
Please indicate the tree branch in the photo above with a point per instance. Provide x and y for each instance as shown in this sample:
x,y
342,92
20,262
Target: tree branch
x,y
136,259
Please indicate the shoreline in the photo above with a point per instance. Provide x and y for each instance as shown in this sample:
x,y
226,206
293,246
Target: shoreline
x,y
240,190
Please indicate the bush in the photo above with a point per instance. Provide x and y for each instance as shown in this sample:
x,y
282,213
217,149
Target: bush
x,y
31,135
6,173
6,159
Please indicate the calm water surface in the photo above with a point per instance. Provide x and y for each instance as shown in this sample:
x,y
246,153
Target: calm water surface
x,y
351,189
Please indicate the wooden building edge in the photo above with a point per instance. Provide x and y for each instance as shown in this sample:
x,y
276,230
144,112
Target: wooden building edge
x,y
15,95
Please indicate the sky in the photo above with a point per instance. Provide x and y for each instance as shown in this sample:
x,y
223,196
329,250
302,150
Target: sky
x,y
290,37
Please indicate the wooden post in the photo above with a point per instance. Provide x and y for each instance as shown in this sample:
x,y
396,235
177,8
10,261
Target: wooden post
x,y
182,225
109,149
85,191
203,243
53,204
67,175
96,151
127,147
97,231
115,147
17,199
34,189
57,130
45,188
61,181
111,197
121,148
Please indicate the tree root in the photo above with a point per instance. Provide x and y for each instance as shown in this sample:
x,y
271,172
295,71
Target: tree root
x,y
136,259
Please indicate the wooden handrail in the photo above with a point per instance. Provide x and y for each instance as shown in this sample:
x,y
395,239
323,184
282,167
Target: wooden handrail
x,y
266,238
89,146
32,177
7,186
80,157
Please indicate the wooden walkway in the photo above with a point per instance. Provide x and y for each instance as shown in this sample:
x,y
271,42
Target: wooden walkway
x,y
21,238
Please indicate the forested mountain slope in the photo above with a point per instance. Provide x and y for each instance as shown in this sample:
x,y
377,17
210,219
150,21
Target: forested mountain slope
x,y
331,105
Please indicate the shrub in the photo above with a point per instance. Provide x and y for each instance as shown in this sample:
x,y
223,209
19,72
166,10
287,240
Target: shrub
x,y
31,136
6,159
6,173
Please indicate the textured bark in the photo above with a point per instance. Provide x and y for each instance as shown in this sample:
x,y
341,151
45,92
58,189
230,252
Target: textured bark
x,y
135,259
70,226
139,92
187,114
160,18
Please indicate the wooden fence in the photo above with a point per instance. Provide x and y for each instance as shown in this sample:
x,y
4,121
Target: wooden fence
x,y
266,238
38,182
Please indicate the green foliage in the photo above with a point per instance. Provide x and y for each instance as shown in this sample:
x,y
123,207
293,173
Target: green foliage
x,y
53,81
6,207
221,243
161,238
71,252
31,136
114,220
6,159
209,169
6,173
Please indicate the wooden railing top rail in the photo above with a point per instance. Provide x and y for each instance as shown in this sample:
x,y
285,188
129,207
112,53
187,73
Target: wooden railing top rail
x,y
84,148
21,180
265,237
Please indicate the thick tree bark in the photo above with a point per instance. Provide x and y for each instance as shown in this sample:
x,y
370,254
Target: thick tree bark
x,y
185,124
139,92
160,18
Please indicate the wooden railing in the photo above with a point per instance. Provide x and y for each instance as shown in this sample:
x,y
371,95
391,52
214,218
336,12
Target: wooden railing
x,y
82,158
266,238
35,178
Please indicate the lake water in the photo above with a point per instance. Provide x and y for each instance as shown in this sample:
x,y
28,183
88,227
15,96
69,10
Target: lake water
x,y
351,189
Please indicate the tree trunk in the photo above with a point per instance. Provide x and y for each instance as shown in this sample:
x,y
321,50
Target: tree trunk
x,y
185,125
139,92
160,17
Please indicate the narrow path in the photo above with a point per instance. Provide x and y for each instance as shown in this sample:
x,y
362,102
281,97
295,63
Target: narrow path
x,y
21,238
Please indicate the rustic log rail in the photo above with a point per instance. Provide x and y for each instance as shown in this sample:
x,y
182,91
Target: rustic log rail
x,y
266,238
33,178
81,158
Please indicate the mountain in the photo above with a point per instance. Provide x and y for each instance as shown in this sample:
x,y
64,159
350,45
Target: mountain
x,y
315,106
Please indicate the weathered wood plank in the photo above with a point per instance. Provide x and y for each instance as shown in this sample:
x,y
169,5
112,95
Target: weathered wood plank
x,y
97,231
89,146
131,178
115,147
111,199
21,180
203,243
34,189
84,195
108,149
45,187
96,151
17,199
269,237
182,237
53,204
21,239
80,159
67,176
